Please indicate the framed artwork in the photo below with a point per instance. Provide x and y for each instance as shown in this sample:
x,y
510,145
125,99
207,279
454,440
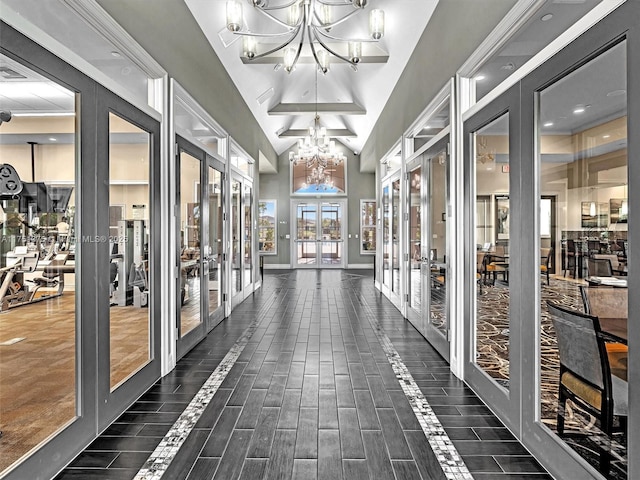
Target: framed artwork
x,y
595,215
502,217
267,232
618,210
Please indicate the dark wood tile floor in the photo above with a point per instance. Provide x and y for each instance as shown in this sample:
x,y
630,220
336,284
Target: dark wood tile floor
x,y
312,395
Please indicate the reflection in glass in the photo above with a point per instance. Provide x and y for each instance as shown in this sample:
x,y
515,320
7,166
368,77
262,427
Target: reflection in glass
x,y
491,165
438,240
129,319
583,183
38,365
190,221
215,239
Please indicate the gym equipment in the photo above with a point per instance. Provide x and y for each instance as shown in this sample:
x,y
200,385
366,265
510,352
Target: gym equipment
x,y
132,286
14,289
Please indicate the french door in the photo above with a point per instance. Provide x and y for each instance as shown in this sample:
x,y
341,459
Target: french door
x,y
199,220
242,238
427,267
318,237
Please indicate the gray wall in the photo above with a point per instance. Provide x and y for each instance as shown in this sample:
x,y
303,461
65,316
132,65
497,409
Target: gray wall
x,y
454,31
169,33
277,186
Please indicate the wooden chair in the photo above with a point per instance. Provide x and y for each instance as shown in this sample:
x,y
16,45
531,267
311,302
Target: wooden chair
x,y
545,261
585,374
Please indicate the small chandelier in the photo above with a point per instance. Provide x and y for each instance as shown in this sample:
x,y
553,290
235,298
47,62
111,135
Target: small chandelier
x,y
311,21
317,152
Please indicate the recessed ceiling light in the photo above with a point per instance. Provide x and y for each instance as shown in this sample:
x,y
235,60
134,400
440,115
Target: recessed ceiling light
x,y
548,124
509,66
479,78
606,136
277,67
52,139
305,93
615,93
579,109
546,17
115,54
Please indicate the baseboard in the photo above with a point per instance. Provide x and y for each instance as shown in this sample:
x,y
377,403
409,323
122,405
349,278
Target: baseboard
x,y
277,266
362,266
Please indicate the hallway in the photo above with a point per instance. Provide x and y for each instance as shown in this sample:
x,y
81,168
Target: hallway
x,y
316,375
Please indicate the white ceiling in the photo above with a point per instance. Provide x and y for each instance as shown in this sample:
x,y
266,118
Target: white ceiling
x,y
368,87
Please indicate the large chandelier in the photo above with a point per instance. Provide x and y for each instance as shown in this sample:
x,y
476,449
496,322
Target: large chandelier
x,y
317,152
306,20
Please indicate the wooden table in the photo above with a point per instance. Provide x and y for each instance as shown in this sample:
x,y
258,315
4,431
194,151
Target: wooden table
x,y
616,328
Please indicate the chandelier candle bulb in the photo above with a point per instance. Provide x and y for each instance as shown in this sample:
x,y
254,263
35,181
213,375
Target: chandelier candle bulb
x,y
289,58
234,15
355,51
376,24
249,47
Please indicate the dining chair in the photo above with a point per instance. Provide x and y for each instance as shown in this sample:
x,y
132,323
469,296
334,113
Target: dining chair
x,y
609,302
545,261
615,261
570,258
585,374
599,267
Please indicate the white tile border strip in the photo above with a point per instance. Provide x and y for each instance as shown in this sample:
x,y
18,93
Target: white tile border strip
x,y
450,460
158,462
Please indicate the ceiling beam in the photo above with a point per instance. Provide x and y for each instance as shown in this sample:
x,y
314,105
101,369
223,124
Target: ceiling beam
x,y
331,132
326,108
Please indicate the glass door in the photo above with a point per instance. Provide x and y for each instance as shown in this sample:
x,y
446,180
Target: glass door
x,y
242,238
214,266
417,270
434,254
200,243
318,240
391,215
428,199
129,317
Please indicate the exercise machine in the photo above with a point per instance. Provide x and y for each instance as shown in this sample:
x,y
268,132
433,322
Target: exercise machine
x,y
15,290
131,286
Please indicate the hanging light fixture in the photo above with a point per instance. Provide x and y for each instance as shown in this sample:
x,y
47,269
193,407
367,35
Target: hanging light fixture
x,y
308,21
317,152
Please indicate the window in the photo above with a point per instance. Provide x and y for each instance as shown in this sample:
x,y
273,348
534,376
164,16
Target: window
x,y
267,227
368,227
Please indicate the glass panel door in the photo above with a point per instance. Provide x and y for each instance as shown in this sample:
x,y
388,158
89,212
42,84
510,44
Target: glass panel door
x,y
319,234
248,236
215,277
395,238
39,334
492,314
189,220
437,325
386,237
306,234
415,270
236,241
129,262
332,241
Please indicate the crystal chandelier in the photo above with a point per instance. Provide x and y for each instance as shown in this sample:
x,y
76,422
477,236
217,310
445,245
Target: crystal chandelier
x,y
307,20
317,152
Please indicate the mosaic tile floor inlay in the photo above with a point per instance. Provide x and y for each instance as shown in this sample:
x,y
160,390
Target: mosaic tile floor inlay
x,y
166,451
450,460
